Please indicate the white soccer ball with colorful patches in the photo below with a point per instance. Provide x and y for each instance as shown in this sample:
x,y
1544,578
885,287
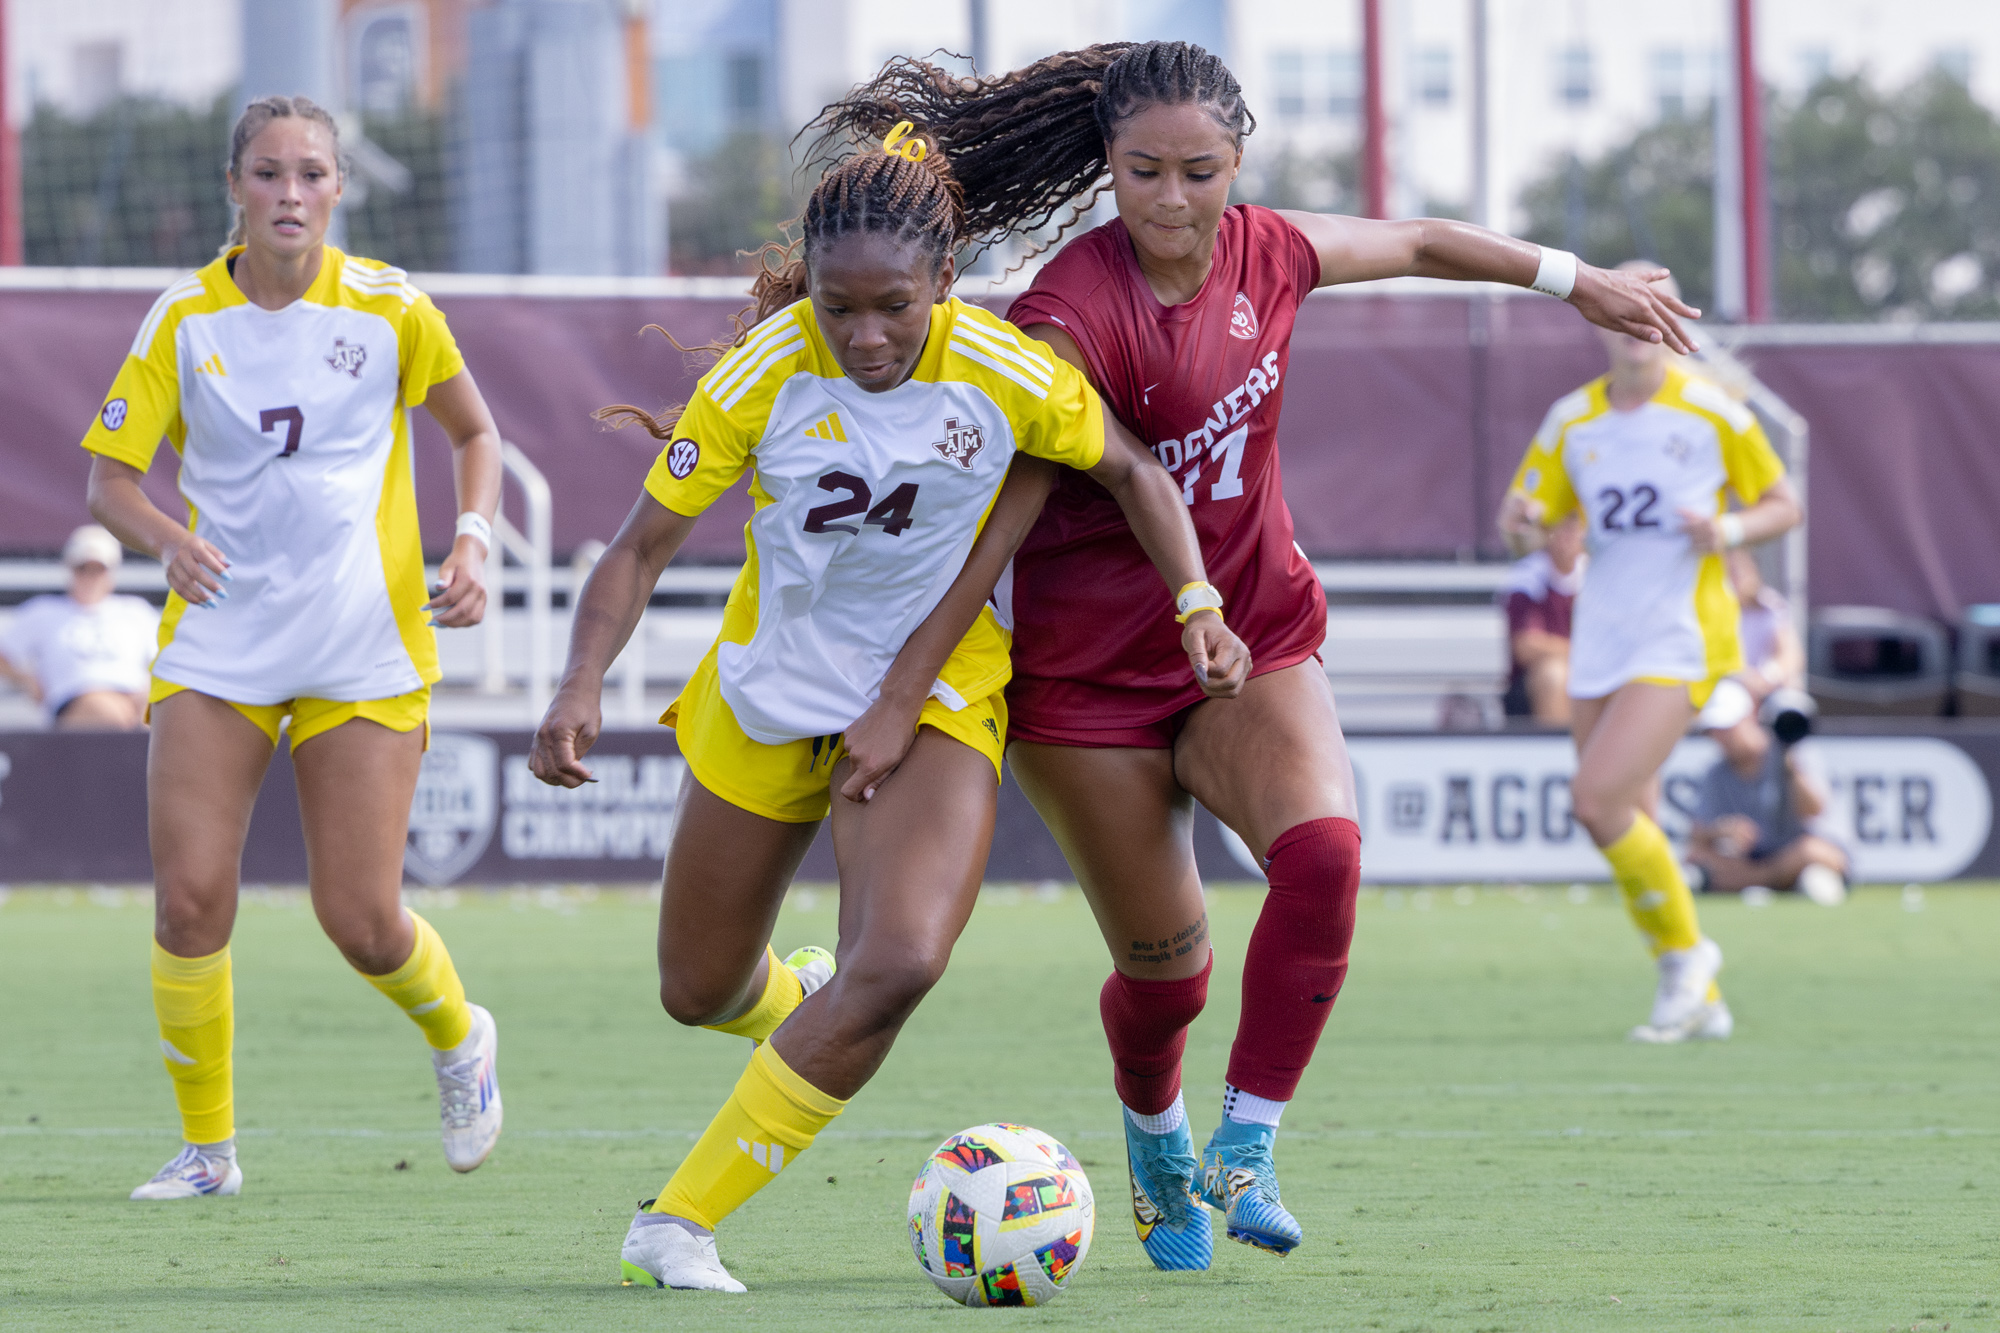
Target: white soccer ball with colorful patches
x,y
1000,1215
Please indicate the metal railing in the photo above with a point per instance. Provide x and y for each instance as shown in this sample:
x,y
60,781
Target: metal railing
x,y
535,551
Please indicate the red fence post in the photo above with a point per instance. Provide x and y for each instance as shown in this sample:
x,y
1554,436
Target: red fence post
x,y
1374,124
1756,191
10,164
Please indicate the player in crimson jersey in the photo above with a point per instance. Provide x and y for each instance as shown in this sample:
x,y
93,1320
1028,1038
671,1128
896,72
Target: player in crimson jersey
x,y
1180,312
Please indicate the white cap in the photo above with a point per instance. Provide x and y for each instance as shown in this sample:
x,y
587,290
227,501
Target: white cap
x,y
91,544
1727,706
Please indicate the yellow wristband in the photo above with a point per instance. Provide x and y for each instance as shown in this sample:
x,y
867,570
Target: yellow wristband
x,y
1197,596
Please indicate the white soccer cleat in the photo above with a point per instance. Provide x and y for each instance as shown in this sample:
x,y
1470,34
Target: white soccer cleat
x,y
1823,884
192,1174
812,965
660,1251
1682,1009
469,1093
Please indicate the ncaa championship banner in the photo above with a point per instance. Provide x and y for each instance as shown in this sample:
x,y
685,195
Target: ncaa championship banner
x,y
1915,805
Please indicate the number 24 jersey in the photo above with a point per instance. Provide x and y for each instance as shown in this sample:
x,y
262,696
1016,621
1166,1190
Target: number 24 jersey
x,y
867,504
1651,608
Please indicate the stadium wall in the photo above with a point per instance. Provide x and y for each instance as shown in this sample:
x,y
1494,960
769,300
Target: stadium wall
x,y
1404,418
1914,804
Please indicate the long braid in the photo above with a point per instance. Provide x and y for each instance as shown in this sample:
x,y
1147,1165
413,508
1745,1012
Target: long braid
x,y
1030,144
875,191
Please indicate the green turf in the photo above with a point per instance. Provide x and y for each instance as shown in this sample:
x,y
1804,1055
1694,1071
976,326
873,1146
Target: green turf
x,y
1476,1148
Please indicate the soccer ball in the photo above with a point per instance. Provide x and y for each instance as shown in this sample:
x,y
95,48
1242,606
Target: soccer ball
x,y
1000,1215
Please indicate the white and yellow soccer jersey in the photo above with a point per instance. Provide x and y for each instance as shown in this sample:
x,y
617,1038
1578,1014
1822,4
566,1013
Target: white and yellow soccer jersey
x,y
293,431
1651,608
866,504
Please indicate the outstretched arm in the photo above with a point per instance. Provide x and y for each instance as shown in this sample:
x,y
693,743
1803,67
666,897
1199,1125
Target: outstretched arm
x,y
880,737
613,599
1630,301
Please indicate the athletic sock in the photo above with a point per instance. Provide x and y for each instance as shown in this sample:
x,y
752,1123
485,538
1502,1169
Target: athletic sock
x,y
1163,1122
782,994
1146,1023
1297,958
770,1119
1247,1108
427,988
195,1002
1642,861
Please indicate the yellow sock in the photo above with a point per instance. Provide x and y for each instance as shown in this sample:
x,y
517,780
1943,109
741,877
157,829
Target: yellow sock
x,y
767,1122
196,1006
1657,897
427,988
782,994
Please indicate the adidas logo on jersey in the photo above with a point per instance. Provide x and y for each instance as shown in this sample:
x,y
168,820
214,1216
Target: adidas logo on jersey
x,y
212,366
829,429
771,1155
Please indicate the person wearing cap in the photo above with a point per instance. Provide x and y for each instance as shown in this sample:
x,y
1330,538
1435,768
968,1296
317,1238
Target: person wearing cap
x,y
85,654
1757,821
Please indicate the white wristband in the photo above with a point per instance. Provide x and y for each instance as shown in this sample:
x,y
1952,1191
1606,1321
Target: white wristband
x,y
1730,526
1557,275
474,525
1197,597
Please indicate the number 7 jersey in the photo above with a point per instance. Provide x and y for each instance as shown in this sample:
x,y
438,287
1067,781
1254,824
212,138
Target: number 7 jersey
x,y
867,504
294,441
1651,608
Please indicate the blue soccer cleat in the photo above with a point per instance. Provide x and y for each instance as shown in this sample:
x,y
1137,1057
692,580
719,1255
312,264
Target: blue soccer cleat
x,y
1239,1182
1173,1226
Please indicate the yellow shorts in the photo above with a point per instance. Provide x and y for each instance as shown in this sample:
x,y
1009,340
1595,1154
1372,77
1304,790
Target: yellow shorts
x,y
792,782
1698,690
314,717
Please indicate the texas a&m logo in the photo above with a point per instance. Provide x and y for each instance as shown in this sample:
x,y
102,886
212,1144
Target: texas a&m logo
x,y
347,356
960,443
1243,319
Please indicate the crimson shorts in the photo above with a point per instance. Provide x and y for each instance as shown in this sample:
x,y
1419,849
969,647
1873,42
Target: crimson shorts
x,y
1047,726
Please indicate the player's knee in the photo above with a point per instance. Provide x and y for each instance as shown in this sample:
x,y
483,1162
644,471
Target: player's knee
x,y
886,989
693,1000
191,919
372,948
1597,810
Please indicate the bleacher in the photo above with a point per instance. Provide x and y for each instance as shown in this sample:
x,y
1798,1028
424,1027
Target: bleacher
x,y
1402,638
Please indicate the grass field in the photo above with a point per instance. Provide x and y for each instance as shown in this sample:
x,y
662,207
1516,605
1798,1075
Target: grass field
x,y
1477,1148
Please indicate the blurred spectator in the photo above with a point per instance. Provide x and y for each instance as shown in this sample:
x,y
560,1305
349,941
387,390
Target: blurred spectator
x,y
1773,657
1757,822
1538,598
85,655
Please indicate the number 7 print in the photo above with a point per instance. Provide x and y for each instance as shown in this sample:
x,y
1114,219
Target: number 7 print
x,y
294,420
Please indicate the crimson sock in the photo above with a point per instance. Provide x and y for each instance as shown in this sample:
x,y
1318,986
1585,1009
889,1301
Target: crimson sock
x,y
1298,955
1146,1023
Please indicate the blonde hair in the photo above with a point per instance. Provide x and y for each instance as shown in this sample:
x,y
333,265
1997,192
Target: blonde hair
x,y
250,124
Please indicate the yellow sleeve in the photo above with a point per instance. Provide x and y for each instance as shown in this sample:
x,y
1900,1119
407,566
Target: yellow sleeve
x,y
1068,425
429,353
705,458
1542,475
1749,460
144,404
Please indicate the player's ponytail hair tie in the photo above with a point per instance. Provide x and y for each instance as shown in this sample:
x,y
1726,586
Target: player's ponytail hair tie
x,y
900,142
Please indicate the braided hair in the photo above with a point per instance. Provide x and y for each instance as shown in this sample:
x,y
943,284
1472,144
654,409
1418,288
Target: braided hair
x,y
1032,142
909,195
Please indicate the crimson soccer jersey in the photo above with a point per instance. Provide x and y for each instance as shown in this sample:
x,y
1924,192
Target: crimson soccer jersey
x,y
1096,647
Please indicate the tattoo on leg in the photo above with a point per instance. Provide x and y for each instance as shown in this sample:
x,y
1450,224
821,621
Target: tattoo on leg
x,y
1178,945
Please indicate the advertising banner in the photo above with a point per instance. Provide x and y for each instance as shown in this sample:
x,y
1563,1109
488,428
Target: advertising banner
x,y
1434,808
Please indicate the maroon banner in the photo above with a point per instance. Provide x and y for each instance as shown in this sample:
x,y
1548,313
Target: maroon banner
x,y
1404,419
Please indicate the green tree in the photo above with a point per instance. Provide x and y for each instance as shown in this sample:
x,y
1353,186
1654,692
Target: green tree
x,y
734,199
137,183
1884,205
411,226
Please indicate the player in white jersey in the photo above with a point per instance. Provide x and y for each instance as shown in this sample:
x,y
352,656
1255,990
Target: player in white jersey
x,y
1647,453
282,373
878,417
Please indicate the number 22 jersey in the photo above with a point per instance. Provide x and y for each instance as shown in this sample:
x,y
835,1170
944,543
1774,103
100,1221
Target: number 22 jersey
x,y
867,504
1651,608
293,431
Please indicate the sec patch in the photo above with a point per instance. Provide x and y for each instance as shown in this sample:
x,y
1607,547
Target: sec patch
x,y
113,415
682,455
